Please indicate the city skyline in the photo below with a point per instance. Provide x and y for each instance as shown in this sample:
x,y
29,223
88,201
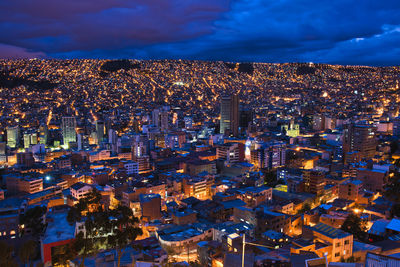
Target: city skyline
x,y
235,31
199,133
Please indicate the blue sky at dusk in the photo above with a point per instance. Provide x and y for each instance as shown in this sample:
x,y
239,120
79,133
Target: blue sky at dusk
x,y
328,31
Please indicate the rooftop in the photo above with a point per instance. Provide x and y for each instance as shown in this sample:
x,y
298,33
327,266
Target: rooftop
x,y
58,228
329,231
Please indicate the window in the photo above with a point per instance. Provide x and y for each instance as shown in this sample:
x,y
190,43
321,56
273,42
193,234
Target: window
x,y
346,242
337,254
338,244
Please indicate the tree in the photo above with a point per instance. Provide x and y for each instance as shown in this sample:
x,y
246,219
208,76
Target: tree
x,y
392,189
33,219
27,251
306,207
62,254
122,229
395,210
270,178
6,252
393,147
91,211
355,226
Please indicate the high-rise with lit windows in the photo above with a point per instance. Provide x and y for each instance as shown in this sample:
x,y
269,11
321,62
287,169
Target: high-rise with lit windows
x,y
229,119
68,130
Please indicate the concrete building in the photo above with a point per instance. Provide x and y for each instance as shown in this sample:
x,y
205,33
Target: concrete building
x,y
396,126
160,118
314,181
318,122
80,190
274,155
184,217
16,184
175,140
130,166
13,137
100,128
361,138
150,205
198,187
68,127
373,179
350,190
230,152
254,196
229,114
25,159
195,167
10,210
333,243
30,138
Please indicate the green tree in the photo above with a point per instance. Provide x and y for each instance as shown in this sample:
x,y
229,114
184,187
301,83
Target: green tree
x,y
89,210
121,229
6,252
61,255
27,252
33,219
270,178
355,226
306,207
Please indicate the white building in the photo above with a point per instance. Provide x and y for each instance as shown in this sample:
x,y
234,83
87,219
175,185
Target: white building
x,y
80,190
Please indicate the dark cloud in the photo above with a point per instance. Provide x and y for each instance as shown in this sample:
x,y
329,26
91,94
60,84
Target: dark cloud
x,y
14,52
340,31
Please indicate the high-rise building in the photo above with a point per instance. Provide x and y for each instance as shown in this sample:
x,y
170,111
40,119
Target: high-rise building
x,y
160,118
68,130
231,152
318,122
30,138
229,119
396,126
245,118
314,181
13,136
235,115
100,131
3,152
360,138
79,141
43,132
274,155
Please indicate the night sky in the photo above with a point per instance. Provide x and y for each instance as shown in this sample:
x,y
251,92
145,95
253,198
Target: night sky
x,y
328,31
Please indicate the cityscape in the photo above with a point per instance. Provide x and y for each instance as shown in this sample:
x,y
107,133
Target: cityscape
x,y
200,133
197,163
